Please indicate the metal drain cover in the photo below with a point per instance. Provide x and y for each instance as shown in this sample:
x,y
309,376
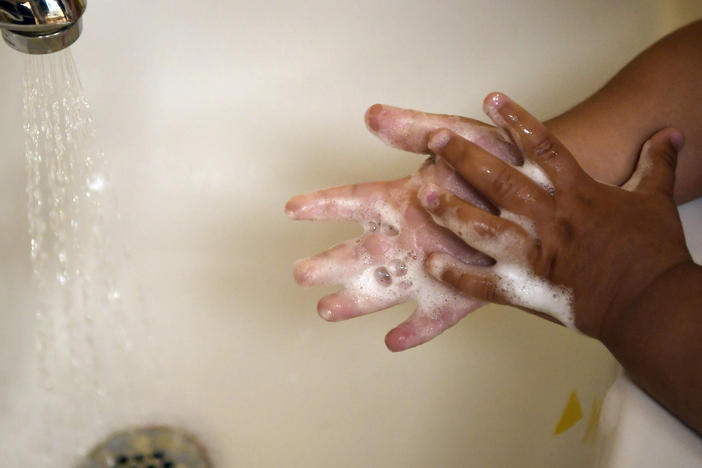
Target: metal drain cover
x,y
150,447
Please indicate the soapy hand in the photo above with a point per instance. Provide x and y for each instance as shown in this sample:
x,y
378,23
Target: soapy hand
x,y
385,265
564,244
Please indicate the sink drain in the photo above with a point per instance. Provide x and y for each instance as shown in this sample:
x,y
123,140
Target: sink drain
x,y
150,447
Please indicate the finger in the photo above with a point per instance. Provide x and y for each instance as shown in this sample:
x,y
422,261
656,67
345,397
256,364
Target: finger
x,y
409,130
445,175
348,304
486,232
534,140
448,242
425,324
655,170
339,203
329,267
502,183
504,284
479,282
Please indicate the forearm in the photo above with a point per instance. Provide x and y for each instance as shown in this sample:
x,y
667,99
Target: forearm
x,y
659,341
660,88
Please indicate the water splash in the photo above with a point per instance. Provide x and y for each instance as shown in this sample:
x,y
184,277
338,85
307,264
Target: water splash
x,y
84,329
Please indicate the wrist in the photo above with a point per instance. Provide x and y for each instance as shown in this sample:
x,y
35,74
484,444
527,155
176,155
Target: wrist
x,y
657,340
676,285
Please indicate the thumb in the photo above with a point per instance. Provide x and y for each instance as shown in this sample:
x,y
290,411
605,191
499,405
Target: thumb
x,y
655,170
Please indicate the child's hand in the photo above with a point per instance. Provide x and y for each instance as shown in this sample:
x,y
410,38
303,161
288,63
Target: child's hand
x,y
565,245
385,265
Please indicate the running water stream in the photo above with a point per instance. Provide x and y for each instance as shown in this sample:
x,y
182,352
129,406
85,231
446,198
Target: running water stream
x,y
89,337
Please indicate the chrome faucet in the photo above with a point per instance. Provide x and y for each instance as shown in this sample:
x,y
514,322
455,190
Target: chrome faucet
x,y
41,26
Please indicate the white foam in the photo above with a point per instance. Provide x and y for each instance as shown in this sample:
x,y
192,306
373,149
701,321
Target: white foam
x,y
643,168
405,265
535,173
516,281
387,216
522,221
521,287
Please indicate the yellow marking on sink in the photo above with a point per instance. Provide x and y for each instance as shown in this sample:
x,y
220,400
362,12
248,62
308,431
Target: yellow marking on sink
x,y
571,414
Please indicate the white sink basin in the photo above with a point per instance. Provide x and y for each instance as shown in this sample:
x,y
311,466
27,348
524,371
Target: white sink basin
x,y
212,115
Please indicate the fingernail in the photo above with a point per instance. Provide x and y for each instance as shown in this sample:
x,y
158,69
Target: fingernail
x,y
303,275
326,314
372,119
677,140
429,196
497,100
291,207
439,139
493,107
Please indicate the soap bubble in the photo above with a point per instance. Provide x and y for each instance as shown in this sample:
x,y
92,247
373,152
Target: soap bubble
x,y
383,277
398,268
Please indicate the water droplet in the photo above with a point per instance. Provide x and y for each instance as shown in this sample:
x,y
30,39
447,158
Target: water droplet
x,y
383,277
62,278
96,182
113,295
398,268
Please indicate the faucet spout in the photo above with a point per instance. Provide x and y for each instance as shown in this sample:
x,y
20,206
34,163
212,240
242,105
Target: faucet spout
x,y
41,26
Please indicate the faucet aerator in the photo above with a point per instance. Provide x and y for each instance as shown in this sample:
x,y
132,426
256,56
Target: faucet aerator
x,y
41,26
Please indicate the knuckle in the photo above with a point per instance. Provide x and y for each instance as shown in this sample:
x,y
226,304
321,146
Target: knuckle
x,y
544,262
544,254
668,157
505,183
480,287
564,230
545,148
483,230
577,202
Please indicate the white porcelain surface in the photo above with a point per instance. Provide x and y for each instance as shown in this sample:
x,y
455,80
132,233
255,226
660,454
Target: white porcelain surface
x,y
213,114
